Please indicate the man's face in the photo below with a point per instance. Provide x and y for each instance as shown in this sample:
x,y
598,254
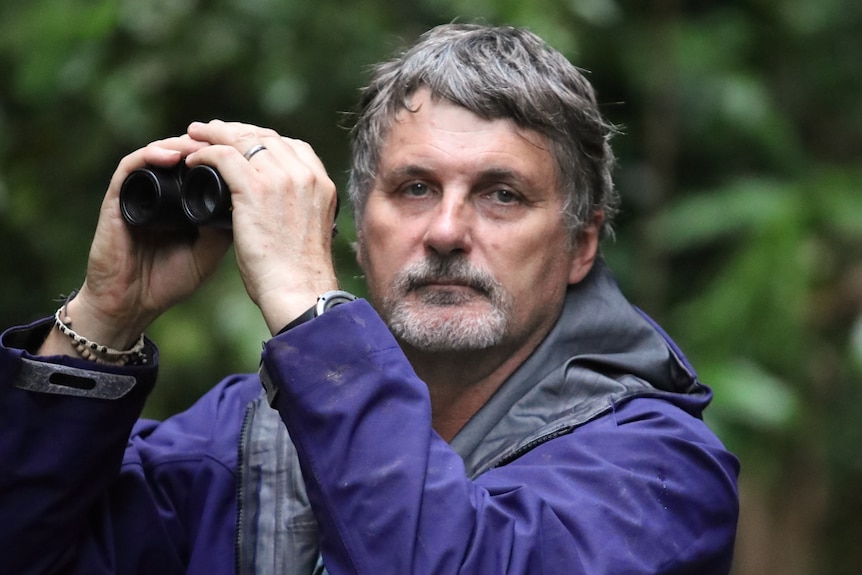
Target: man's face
x,y
462,239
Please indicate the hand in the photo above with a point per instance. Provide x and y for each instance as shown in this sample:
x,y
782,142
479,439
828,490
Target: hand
x,y
134,275
283,210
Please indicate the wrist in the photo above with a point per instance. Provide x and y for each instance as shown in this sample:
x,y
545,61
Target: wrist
x,y
64,339
111,330
324,303
281,307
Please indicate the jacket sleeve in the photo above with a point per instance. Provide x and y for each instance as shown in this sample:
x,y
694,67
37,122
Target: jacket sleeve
x,y
646,489
86,487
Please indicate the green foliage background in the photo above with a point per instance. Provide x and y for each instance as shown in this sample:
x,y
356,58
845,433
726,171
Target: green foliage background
x,y
739,169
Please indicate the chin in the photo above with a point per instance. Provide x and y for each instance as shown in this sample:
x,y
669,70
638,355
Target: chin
x,y
448,328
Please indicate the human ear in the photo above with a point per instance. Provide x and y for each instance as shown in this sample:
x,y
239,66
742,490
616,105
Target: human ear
x,y
359,249
584,254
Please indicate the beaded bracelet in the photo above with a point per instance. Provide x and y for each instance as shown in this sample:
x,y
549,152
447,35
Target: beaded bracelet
x,y
97,352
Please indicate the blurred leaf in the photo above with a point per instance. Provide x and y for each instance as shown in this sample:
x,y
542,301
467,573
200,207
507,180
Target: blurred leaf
x,y
751,396
743,205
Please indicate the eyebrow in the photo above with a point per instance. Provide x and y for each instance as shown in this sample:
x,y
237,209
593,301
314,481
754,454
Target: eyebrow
x,y
503,174
424,171
408,171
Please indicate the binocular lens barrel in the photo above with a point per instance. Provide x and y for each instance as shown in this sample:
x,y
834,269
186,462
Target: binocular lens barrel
x,y
175,198
150,197
205,197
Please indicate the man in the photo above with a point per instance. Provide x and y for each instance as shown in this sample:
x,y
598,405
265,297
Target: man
x,y
497,408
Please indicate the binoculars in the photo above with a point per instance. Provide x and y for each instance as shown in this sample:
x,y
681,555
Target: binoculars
x,y
175,198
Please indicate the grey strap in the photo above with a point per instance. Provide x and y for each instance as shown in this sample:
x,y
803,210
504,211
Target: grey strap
x,y
64,380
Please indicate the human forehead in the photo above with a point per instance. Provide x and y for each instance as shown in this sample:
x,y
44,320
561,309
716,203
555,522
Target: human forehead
x,y
430,129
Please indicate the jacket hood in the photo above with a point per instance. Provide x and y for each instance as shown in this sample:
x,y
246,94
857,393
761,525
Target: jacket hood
x,y
601,351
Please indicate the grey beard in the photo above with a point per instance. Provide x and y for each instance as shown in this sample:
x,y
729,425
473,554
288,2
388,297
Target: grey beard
x,y
419,323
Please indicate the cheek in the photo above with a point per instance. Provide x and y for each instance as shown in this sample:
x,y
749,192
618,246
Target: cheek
x,y
540,273
389,238
379,255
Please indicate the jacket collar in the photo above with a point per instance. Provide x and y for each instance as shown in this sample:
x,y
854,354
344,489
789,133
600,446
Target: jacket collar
x,y
601,351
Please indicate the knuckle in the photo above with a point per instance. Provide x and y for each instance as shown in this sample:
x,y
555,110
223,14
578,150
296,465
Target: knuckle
x,y
246,135
268,133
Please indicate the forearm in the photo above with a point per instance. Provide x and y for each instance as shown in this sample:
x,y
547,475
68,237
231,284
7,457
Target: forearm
x,y
389,494
392,497
64,425
349,525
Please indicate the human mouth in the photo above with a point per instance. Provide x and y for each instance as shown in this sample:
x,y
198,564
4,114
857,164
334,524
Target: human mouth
x,y
448,291
453,284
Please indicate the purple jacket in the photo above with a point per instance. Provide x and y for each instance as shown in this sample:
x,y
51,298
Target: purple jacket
x,y
592,458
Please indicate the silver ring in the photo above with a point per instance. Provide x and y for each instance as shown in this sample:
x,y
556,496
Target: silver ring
x,y
253,150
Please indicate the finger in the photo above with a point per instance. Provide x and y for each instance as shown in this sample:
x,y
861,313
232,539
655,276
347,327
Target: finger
x,y
238,135
293,165
309,158
255,160
250,140
275,160
306,154
164,153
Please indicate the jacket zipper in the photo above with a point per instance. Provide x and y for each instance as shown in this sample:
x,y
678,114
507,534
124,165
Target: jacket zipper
x,y
240,492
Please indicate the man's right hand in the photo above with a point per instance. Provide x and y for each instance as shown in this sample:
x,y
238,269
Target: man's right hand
x,y
134,275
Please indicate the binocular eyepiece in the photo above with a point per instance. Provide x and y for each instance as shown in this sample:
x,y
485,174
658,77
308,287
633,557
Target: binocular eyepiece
x,y
173,198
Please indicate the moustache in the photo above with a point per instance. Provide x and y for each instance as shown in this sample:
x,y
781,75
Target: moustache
x,y
455,270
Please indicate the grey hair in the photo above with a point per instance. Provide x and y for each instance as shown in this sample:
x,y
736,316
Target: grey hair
x,y
496,72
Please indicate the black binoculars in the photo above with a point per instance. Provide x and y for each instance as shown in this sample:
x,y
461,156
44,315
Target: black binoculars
x,y
174,198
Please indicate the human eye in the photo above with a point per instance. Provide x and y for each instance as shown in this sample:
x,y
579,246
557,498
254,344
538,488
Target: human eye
x,y
415,190
501,201
504,196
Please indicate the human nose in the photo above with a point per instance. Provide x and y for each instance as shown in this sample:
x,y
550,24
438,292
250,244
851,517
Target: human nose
x,y
449,229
